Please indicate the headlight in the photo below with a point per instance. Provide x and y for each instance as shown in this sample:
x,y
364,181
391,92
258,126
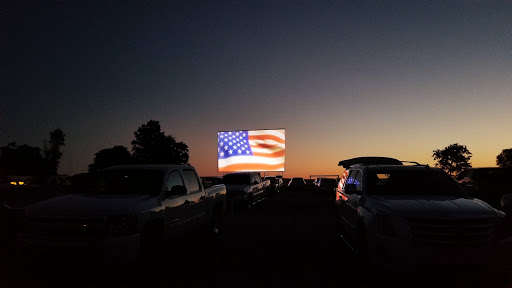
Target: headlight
x,y
123,225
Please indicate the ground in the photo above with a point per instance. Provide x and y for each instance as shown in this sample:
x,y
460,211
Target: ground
x,y
288,241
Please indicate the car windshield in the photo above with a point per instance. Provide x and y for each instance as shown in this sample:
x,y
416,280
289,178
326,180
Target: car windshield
x,y
412,182
236,179
126,182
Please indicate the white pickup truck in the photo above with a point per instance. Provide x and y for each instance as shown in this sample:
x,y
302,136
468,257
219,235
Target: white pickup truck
x,y
125,212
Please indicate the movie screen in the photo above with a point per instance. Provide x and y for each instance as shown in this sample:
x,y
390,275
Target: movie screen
x,y
251,150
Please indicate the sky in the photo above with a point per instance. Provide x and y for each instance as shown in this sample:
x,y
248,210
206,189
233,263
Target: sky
x,y
344,78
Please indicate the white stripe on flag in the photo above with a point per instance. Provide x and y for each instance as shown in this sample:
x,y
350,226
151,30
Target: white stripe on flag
x,y
250,159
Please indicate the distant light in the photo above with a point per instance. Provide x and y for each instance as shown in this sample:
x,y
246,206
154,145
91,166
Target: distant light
x,y
14,183
21,183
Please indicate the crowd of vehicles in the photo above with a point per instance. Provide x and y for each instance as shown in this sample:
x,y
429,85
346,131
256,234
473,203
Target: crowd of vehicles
x,y
391,214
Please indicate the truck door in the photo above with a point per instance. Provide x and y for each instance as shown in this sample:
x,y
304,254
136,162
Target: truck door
x,y
196,196
184,207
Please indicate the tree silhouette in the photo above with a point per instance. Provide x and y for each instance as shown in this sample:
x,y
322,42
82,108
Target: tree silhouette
x,y
453,158
504,159
20,160
52,150
152,146
117,155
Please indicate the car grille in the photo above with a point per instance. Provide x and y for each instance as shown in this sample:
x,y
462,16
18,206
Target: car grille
x,y
67,228
454,232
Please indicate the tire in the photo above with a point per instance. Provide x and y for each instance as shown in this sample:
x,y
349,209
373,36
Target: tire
x,y
216,228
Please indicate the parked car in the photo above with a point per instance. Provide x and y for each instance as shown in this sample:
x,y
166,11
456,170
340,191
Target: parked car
x,y
487,184
297,182
274,185
280,180
327,185
405,217
125,213
244,189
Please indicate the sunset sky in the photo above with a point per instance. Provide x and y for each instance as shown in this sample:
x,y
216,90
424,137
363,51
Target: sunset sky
x,y
344,78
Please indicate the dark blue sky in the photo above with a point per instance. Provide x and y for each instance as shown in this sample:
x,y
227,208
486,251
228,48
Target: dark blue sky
x,y
404,77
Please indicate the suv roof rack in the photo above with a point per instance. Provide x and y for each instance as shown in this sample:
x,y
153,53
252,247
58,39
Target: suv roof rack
x,y
369,161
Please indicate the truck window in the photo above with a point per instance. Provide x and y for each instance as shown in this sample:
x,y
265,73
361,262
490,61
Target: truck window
x,y
191,181
128,181
174,180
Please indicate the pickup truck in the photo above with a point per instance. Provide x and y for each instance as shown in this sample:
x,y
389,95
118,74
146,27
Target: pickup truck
x,y
125,213
244,189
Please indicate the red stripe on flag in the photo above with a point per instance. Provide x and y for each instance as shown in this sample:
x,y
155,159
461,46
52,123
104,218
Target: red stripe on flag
x,y
266,137
270,155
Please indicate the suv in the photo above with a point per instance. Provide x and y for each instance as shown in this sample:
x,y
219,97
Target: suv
x,y
404,217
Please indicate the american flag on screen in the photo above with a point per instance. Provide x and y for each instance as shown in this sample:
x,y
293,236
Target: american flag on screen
x,y
254,150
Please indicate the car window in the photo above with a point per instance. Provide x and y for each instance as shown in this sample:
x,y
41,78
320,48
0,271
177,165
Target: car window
x,y
412,182
174,179
191,181
355,177
359,181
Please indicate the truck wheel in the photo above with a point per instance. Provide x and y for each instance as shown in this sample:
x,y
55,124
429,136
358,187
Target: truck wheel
x,y
217,221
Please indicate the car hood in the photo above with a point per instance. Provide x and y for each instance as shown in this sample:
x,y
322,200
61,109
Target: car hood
x,y
91,205
439,206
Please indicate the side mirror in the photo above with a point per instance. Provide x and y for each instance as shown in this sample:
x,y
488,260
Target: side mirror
x,y
177,190
351,189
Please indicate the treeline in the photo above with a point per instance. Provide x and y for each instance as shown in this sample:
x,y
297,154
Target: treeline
x,y
454,158
150,146
33,161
